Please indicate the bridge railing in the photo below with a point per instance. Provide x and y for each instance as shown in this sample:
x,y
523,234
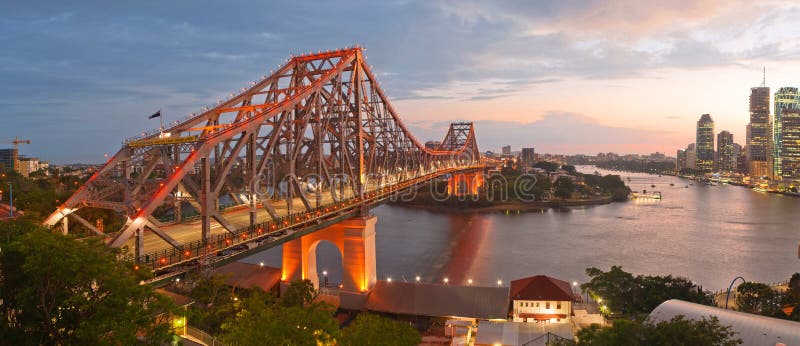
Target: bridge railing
x,y
202,336
220,243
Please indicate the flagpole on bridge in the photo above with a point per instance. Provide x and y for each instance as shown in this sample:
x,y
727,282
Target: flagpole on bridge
x,y
160,119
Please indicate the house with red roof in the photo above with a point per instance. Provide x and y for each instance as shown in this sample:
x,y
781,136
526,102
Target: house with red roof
x,y
541,299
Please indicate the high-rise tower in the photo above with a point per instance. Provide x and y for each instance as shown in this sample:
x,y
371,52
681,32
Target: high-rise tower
x,y
790,143
726,158
705,143
758,132
786,98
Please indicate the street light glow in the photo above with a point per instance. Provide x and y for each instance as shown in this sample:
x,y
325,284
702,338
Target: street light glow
x,y
446,280
417,278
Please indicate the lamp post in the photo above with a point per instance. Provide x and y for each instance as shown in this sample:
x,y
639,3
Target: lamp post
x,y
325,277
727,295
10,201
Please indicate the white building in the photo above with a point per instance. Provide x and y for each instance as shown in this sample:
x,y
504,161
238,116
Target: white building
x,y
28,165
541,299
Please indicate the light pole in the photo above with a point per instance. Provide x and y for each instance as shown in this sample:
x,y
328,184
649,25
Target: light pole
x,y
325,277
727,295
10,201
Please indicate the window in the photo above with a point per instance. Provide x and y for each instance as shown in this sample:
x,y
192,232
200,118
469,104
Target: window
x,y
558,305
537,304
547,305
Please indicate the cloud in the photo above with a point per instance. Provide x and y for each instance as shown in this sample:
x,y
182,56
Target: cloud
x,y
556,132
130,57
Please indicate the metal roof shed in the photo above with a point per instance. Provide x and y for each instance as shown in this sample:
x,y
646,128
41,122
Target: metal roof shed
x,y
752,329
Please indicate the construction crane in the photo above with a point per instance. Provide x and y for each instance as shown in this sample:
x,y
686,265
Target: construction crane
x,y
15,154
17,142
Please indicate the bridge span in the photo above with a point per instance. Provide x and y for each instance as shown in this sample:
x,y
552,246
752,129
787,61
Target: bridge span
x,y
312,144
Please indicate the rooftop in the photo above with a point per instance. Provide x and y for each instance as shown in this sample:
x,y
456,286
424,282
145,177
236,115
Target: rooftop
x,y
246,275
541,287
752,329
425,299
521,333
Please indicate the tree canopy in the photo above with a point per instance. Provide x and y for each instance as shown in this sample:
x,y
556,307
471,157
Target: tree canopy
x,y
564,187
759,298
371,329
547,166
260,318
677,331
624,294
58,290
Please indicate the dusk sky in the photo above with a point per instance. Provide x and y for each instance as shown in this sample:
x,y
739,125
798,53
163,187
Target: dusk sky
x,y
560,76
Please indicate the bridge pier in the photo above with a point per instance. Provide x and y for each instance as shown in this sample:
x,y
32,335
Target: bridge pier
x,y
355,239
465,184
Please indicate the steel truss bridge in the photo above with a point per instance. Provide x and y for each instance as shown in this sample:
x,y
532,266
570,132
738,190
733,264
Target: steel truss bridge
x,y
312,143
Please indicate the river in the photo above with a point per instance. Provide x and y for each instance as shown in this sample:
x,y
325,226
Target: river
x,y
709,234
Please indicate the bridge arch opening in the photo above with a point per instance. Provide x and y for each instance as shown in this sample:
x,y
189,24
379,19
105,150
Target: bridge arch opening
x,y
325,267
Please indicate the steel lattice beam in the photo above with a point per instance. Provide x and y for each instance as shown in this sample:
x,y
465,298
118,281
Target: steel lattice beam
x,y
320,120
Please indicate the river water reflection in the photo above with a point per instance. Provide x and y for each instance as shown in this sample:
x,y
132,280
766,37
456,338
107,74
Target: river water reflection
x,y
709,234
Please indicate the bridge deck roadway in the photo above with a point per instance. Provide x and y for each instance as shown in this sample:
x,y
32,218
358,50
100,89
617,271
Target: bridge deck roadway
x,y
189,231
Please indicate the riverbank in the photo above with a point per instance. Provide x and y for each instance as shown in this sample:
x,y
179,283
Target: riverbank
x,y
505,207
717,180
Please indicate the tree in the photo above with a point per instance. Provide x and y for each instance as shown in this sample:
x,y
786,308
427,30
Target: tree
x,y
793,291
299,293
570,169
58,290
654,290
370,329
215,304
547,166
629,295
682,331
564,187
759,298
611,183
614,287
261,320
677,331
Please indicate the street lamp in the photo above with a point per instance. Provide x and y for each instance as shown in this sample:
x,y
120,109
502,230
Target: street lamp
x,y
417,278
325,277
10,201
727,295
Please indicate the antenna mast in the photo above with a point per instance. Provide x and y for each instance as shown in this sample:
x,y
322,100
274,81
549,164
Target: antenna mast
x,y
764,78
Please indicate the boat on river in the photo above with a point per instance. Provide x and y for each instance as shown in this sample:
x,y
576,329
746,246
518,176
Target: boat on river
x,y
645,195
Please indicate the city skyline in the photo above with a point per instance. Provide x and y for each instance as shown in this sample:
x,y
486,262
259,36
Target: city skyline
x,y
566,78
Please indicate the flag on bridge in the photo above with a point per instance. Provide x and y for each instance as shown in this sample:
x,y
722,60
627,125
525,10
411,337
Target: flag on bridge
x,y
155,115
